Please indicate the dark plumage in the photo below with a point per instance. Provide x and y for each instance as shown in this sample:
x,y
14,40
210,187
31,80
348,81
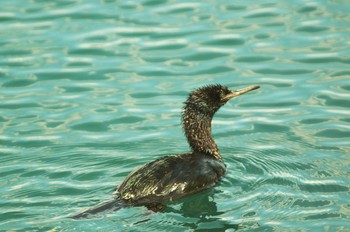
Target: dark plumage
x,y
175,176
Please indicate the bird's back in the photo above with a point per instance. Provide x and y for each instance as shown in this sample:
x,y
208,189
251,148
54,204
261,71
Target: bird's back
x,y
170,178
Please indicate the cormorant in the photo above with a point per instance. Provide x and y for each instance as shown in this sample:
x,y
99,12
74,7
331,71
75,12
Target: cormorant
x,y
175,176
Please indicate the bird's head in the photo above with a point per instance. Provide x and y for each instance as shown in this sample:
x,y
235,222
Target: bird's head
x,y
208,99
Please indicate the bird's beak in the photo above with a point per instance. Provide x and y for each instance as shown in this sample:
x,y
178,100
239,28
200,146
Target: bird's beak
x,y
236,93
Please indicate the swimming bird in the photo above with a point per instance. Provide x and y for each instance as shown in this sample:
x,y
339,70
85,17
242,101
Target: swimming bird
x,y
175,176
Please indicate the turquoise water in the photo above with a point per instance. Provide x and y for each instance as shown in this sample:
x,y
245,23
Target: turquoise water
x,y
92,89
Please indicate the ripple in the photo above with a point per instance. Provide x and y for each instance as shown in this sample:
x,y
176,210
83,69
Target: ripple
x,y
341,73
203,56
320,60
323,216
307,9
59,174
78,64
173,34
213,70
62,191
237,26
323,187
225,42
14,106
143,95
334,100
33,173
126,119
283,71
131,31
312,29
13,171
311,203
91,51
262,15
164,47
12,215
333,133
16,52
235,7
153,2
271,127
272,163
2,119
89,176
19,83
313,121
90,126
156,73
253,59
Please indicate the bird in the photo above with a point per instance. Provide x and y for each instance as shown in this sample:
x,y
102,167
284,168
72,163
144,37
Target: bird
x,y
172,177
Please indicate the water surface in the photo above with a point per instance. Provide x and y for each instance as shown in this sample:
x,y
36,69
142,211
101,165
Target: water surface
x,y
89,90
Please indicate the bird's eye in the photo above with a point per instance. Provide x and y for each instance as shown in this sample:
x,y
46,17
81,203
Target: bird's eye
x,y
222,94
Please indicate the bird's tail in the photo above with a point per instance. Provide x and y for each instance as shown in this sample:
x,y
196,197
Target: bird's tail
x,y
114,205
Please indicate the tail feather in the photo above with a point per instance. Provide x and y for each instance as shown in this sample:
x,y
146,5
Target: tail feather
x,y
114,205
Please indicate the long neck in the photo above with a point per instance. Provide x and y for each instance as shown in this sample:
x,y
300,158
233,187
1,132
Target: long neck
x,y
197,127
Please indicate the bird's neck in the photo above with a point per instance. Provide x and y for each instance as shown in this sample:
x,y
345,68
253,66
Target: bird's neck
x,y
197,129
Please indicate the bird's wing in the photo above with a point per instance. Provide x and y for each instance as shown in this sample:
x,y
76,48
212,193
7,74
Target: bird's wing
x,y
167,179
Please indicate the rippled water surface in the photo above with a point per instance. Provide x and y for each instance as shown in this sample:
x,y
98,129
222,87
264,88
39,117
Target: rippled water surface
x,y
89,90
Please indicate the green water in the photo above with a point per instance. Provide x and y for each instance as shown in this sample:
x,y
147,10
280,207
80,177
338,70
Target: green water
x,y
89,90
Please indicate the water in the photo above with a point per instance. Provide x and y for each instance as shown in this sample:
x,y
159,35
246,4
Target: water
x,y
92,89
